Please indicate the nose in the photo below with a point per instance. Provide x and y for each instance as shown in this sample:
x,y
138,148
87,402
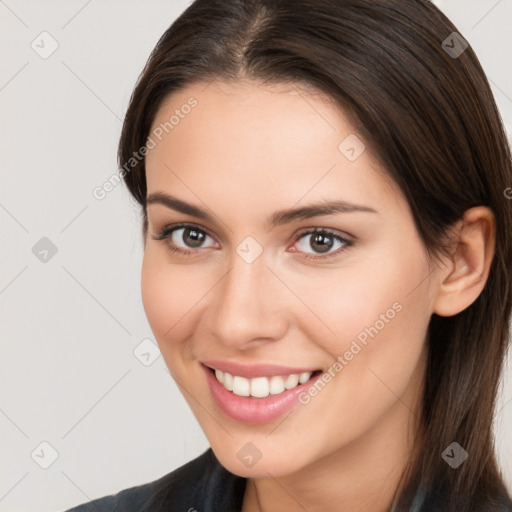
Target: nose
x,y
249,305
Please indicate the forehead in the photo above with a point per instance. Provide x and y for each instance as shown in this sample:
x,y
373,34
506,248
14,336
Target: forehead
x,y
249,142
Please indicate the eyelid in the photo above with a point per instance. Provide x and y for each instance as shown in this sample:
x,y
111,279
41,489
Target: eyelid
x,y
348,240
335,232
166,229
165,232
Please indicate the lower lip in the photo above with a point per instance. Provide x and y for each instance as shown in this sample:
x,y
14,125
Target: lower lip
x,y
252,410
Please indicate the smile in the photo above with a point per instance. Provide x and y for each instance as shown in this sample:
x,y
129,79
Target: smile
x,y
256,394
261,387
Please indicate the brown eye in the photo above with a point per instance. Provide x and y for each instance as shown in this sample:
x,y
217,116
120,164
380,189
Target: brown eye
x,y
192,237
183,238
321,241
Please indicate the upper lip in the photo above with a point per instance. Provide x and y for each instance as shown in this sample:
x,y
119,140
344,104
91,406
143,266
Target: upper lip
x,y
250,371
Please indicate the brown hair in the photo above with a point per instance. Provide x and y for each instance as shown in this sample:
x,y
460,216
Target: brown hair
x,y
431,119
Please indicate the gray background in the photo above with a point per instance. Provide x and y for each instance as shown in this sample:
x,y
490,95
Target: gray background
x,y
70,324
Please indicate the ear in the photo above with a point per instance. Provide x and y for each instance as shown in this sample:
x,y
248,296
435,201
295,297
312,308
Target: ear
x,y
467,270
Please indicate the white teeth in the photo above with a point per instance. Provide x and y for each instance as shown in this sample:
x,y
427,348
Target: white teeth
x,y
276,385
260,387
228,381
304,377
291,381
241,386
220,376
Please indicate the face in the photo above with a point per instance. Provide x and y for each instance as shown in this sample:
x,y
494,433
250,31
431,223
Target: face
x,y
338,295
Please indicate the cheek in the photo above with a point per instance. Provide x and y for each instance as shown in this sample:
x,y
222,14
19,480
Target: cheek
x,y
380,326
378,291
381,323
164,296
379,309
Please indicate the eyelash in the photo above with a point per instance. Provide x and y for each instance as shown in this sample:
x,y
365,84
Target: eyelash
x,y
166,231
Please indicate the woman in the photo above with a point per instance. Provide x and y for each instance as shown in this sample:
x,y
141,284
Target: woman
x,y
327,256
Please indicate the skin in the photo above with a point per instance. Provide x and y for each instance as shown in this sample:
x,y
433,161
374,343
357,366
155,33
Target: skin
x,y
244,152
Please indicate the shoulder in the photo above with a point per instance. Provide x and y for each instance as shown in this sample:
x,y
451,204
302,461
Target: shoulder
x,y
488,501
202,484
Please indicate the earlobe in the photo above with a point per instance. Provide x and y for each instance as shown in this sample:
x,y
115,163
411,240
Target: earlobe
x,y
467,271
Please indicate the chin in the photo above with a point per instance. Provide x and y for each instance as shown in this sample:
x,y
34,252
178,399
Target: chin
x,y
272,464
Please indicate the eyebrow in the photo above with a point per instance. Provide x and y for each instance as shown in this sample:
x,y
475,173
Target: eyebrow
x,y
276,219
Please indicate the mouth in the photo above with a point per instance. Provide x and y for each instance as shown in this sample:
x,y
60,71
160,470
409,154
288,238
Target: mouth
x,y
259,399
261,387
